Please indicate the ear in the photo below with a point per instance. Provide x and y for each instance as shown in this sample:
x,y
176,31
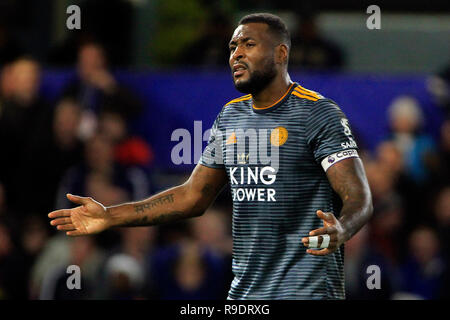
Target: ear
x,y
281,54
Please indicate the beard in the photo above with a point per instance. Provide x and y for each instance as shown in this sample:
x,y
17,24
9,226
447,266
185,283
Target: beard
x,y
258,79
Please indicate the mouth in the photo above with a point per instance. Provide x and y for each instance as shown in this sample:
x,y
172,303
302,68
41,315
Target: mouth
x,y
238,70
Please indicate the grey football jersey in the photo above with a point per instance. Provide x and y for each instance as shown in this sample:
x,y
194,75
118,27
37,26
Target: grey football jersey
x,y
275,159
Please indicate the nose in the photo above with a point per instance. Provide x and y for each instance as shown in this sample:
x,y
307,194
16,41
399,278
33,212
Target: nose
x,y
237,54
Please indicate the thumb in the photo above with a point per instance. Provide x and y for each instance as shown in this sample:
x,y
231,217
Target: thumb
x,y
78,199
327,216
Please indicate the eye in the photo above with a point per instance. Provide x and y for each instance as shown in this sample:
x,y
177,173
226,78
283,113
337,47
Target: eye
x,y
249,44
232,49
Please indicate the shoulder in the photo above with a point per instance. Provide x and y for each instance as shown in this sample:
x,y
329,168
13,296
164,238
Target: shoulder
x,y
313,102
227,109
235,106
306,95
236,100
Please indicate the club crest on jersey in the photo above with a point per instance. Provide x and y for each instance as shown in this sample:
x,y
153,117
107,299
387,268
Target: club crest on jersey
x,y
279,136
242,158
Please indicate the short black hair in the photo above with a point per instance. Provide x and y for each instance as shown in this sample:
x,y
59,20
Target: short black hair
x,y
276,25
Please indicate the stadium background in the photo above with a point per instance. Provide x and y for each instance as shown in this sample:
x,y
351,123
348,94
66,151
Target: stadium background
x,y
72,122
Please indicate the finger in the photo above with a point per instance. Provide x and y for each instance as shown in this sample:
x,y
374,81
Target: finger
x,y
332,241
305,241
59,213
322,241
74,233
322,252
60,221
327,216
78,199
323,230
66,227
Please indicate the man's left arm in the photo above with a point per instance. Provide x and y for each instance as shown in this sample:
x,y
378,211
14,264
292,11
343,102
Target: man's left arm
x,y
348,179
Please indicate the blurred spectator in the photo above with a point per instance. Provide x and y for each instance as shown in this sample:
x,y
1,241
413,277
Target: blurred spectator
x,y
392,165
418,153
389,158
130,150
211,229
359,255
101,177
84,253
406,122
33,237
197,263
53,152
137,242
21,110
310,50
22,80
125,278
424,269
55,252
211,48
188,271
128,271
386,225
96,89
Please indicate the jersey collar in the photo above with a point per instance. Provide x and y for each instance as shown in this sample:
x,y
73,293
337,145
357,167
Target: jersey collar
x,y
277,103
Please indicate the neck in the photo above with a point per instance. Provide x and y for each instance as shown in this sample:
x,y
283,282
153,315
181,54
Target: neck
x,y
273,92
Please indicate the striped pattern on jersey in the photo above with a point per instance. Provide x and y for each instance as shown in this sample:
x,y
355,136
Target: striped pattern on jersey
x,y
274,208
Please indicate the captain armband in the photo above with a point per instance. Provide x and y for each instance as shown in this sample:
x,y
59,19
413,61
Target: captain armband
x,y
330,160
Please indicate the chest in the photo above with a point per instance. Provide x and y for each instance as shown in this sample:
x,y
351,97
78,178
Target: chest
x,y
259,140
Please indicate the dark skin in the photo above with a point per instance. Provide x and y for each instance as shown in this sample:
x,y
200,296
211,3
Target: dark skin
x,y
348,179
251,47
188,200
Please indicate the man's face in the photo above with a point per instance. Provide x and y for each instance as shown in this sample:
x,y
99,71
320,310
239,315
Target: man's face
x,y
252,57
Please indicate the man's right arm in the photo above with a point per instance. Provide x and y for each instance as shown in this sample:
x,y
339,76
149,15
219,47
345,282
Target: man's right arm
x,y
188,200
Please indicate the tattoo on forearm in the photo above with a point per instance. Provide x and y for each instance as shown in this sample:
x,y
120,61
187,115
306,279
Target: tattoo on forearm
x,y
168,217
160,219
143,221
140,208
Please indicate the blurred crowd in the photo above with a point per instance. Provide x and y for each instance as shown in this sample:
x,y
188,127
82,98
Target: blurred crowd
x,y
408,235
82,143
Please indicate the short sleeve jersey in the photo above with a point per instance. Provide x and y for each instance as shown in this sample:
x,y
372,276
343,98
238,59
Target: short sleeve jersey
x,y
276,160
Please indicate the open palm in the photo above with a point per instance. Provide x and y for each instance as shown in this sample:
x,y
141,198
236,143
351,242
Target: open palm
x,y
89,218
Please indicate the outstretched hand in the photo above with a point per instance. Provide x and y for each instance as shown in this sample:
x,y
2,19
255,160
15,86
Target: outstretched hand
x,y
89,218
331,227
